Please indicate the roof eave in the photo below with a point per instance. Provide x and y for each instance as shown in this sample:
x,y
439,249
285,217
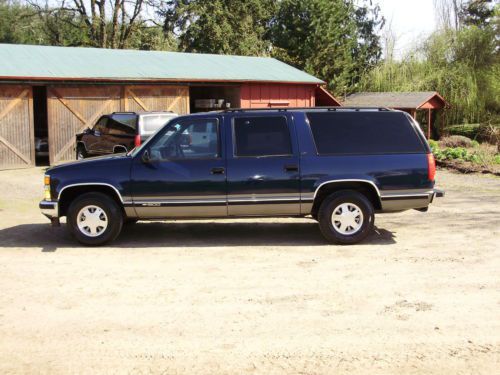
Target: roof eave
x,y
136,80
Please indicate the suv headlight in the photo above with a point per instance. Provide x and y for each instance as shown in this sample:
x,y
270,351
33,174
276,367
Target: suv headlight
x,y
46,188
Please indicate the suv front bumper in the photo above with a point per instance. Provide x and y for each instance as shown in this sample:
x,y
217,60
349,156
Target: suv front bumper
x,y
49,209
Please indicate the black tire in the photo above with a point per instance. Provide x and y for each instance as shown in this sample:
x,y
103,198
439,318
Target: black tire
x,y
112,212
81,153
352,198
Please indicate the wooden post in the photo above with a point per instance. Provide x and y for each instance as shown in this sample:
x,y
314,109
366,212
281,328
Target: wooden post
x,y
429,119
414,114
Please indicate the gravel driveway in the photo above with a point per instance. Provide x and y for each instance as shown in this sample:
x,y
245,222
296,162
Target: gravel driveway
x,y
256,296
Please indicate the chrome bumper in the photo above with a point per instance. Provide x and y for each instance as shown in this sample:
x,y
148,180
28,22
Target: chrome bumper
x,y
49,209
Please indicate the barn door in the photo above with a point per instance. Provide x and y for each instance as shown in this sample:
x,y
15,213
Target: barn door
x,y
71,110
17,144
156,98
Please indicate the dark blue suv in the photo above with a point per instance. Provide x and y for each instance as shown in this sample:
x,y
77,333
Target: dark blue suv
x,y
338,166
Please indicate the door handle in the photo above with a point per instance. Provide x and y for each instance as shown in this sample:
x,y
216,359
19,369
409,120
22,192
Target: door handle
x,y
217,170
291,168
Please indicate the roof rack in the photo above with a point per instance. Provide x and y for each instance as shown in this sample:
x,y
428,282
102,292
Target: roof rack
x,y
137,112
284,109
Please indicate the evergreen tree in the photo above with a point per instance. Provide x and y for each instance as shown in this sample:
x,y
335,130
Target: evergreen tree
x,y
335,40
218,26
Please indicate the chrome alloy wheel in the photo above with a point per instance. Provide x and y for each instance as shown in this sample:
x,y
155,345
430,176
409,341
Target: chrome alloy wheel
x,y
347,219
92,221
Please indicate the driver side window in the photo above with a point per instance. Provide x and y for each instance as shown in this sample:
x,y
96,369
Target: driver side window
x,y
100,126
188,139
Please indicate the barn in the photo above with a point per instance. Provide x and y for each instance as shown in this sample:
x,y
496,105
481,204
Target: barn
x,y
56,92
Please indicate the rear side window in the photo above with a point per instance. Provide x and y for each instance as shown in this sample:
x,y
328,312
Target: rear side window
x,y
121,124
153,123
262,136
363,133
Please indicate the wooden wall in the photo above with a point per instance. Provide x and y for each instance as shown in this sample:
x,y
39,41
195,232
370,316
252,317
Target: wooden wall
x,y
17,144
71,109
268,95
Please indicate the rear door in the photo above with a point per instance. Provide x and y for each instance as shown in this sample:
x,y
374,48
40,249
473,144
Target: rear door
x,y
122,128
263,173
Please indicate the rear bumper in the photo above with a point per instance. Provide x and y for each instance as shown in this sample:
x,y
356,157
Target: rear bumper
x,y
408,199
49,209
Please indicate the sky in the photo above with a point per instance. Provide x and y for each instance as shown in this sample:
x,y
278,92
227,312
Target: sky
x,y
409,20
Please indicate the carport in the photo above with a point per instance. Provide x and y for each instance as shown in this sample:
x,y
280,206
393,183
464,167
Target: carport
x,y
428,102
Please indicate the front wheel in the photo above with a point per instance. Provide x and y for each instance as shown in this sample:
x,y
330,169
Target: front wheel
x,y
81,153
94,219
346,217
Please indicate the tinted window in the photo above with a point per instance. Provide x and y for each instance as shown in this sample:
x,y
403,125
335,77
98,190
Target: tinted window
x,y
178,140
121,124
100,126
363,133
261,136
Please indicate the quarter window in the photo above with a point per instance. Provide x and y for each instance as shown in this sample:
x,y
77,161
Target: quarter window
x,y
340,133
122,124
262,136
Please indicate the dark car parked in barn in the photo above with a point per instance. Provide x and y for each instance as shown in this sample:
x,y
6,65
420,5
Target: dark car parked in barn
x,y
119,132
339,166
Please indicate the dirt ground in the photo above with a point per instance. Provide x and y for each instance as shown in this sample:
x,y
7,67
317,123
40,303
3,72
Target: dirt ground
x,y
421,296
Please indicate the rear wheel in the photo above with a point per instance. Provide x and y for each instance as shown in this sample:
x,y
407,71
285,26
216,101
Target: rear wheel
x,y
94,219
346,217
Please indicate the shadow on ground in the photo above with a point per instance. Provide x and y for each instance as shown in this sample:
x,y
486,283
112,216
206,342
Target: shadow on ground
x,y
185,234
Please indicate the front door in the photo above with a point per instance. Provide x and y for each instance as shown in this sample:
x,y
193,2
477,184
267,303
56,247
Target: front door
x,y
179,178
263,165
95,141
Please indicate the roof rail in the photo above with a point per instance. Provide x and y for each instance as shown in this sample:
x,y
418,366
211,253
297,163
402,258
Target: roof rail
x,y
279,109
123,112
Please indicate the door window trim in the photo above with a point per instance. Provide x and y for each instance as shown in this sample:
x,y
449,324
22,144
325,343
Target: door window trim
x,y
233,138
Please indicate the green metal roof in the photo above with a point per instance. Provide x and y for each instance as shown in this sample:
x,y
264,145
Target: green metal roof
x,y
56,63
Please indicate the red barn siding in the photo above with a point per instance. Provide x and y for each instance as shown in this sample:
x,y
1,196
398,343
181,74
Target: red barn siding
x,y
265,95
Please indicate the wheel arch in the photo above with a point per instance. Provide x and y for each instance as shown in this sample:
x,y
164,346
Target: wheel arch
x,y
119,147
81,143
70,192
366,187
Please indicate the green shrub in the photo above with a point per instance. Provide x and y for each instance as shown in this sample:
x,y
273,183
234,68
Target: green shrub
x,y
433,145
455,153
466,130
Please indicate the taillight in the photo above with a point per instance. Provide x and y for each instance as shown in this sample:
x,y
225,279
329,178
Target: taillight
x,y
431,164
137,140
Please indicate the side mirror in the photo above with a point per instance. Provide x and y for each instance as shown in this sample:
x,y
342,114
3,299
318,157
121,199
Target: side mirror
x,y
146,157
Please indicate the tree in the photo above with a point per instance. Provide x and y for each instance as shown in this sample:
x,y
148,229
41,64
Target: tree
x,y
448,13
218,26
335,40
477,12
